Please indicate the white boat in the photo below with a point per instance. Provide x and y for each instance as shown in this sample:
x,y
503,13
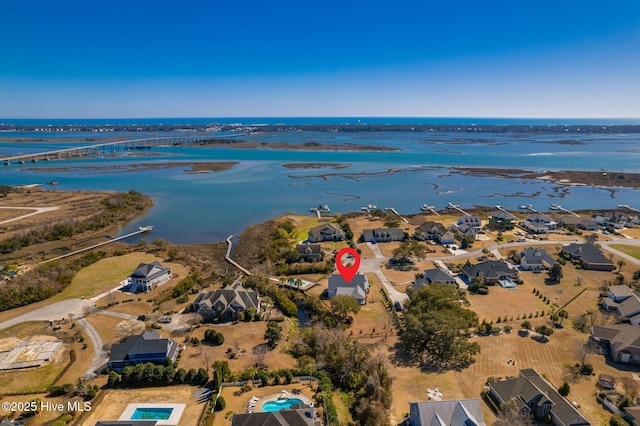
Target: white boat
x,y
321,208
554,206
426,207
147,228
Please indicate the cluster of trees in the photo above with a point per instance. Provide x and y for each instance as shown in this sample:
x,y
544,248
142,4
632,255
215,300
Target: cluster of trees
x,y
437,329
213,337
555,273
279,296
151,374
349,366
343,305
408,249
273,333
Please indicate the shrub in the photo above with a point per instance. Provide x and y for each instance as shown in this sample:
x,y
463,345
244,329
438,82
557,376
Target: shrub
x,y
586,369
564,389
61,390
220,404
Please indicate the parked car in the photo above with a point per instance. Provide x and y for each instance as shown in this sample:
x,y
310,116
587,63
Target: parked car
x,y
165,320
398,306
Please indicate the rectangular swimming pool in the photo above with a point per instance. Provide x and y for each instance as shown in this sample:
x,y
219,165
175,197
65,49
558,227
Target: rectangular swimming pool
x,y
151,413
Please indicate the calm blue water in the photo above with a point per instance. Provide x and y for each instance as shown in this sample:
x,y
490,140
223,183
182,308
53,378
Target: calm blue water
x,y
205,207
281,404
151,413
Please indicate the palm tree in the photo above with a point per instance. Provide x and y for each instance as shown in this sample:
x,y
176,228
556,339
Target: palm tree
x,y
621,263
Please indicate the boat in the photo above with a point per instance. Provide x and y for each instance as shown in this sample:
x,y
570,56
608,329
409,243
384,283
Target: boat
x,y
322,208
147,228
554,206
369,207
52,182
7,163
426,207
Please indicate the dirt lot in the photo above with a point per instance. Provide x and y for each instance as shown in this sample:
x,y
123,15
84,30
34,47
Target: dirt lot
x,y
116,400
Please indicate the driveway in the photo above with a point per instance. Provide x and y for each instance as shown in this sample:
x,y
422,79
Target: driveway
x,y
373,266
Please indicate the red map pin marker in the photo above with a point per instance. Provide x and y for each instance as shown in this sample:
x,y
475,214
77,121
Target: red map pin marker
x,y
348,272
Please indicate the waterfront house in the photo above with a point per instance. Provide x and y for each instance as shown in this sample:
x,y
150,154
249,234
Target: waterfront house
x,y
434,276
501,221
226,303
579,222
148,276
463,412
623,301
470,222
589,255
539,223
492,271
356,288
534,397
535,259
381,235
297,415
433,231
620,341
326,232
309,251
146,347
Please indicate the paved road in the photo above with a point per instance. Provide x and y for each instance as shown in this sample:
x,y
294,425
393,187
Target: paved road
x,y
373,266
100,356
38,210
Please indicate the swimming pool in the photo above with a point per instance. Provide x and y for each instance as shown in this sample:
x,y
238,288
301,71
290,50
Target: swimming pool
x,y
151,413
280,404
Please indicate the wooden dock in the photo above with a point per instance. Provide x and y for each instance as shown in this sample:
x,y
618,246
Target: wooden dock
x,y
231,261
141,230
394,211
452,206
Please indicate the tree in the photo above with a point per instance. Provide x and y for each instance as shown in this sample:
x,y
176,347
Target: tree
x,y
273,333
617,420
436,328
555,273
408,249
620,264
391,221
544,330
114,378
564,389
342,305
526,324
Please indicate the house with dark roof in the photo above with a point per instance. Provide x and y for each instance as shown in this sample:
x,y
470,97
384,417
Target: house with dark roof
x,y
492,271
620,341
127,423
326,232
501,221
539,223
382,235
534,397
623,301
356,288
434,276
589,255
148,276
473,222
226,303
536,259
434,231
309,251
146,347
462,412
297,415
580,222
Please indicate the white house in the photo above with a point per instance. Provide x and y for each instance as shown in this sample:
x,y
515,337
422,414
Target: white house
x,y
148,276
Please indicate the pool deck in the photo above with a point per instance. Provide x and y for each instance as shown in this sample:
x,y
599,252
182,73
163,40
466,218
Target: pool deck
x,y
173,419
276,396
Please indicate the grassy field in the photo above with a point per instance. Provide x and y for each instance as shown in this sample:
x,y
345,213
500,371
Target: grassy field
x,y
630,250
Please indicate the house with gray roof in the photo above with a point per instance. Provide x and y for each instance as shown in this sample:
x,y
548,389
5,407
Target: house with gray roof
x,y
492,271
226,303
580,222
434,276
620,341
433,231
463,412
625,302
127,423
356,288
590,256
297,415
470,221
536,259
148,276
326,232
501,221
382,235
534,397
309,251
146,347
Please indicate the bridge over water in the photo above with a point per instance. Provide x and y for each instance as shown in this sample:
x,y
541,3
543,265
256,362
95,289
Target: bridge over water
x,y
104,148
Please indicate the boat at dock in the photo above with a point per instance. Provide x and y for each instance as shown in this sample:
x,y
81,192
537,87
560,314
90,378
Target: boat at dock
x,y
426,208
322,208
554,207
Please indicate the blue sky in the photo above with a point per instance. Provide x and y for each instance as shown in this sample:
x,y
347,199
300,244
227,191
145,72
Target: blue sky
x,y
432,58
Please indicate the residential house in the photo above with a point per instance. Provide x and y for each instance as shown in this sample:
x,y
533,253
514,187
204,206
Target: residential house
x,y
534,397
326,232
127,423
579,222
624,302
463,412
471,222
356,288
539,223
535,259
590,256
381,235
434,231
226,303
501,221
492,271
148,276
309,251
434,276
146,347
613,220
297,415
464,230
621,341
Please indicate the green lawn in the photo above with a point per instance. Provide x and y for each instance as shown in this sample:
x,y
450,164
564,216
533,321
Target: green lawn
x,y
103,275
626,249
